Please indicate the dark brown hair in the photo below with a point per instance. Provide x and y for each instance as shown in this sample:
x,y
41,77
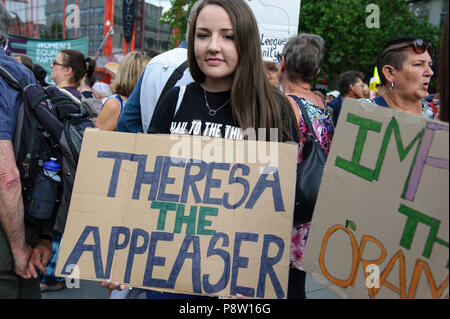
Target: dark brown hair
x,y
348,78
255,102
81,66
395,58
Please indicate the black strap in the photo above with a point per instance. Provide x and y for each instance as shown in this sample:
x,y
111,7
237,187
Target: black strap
x,y
20,86
121,102
174,78
11,80
304,115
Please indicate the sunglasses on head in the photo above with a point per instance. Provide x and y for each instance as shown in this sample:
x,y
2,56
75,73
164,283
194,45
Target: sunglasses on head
x,y
418,45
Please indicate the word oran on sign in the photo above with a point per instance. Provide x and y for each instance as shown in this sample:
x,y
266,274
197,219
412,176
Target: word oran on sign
x,y
397,258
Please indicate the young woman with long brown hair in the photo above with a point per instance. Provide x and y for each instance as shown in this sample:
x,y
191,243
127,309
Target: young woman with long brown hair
x,y
231,87
231,91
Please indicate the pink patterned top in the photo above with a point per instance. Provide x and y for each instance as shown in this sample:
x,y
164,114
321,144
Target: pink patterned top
x,y
322,123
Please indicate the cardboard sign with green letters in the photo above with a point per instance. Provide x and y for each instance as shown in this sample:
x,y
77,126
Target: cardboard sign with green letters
x,y
381,224
182,214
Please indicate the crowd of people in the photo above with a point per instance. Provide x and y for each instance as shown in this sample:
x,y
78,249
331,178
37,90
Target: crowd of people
x,y
224,81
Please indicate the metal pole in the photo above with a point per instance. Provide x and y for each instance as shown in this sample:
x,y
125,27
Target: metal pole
x,y
56,19
142,25
30,24
102,45
37,19
76,28
89,25
64,19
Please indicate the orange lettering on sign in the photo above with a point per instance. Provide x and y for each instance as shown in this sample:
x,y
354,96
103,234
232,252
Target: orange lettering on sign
x,y
365,263
422,265
400,286
339,282
402,278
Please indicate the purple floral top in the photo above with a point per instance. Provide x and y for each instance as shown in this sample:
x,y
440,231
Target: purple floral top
x,y
323,127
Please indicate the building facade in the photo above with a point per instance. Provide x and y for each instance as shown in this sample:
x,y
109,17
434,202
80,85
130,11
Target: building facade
x,y
56,19
433,10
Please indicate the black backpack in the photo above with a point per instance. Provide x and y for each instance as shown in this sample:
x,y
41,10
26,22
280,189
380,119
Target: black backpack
x,y
49,125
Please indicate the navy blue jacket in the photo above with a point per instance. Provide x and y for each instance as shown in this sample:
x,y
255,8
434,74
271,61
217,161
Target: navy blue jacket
x,y
336,105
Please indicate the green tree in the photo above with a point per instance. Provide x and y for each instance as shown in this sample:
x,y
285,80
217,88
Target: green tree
x,y
177,17
350,44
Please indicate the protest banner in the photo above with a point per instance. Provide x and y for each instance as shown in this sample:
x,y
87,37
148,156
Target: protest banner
x,y
184,214
44,51
381,223
277,22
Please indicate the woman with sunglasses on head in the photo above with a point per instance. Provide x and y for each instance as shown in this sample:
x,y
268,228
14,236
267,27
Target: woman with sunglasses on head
x,y
404,66
68,70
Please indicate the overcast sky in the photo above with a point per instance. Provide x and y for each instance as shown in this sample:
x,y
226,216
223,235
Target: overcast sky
x,y
162,3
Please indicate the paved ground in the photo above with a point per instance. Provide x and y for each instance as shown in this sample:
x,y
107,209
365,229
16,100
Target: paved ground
x,y
92,290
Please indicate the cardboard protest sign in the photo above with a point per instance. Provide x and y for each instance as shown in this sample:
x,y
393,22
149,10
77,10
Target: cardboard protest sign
x,y
185,214
277,22
381,223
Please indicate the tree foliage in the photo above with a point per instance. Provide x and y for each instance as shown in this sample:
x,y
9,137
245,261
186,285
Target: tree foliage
x,y
177,17
350,44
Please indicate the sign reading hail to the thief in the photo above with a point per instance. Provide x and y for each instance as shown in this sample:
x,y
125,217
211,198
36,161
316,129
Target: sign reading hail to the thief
x,y
184,214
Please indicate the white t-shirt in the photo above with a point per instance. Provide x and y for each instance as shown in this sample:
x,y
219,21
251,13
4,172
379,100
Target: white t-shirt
x,y
156,75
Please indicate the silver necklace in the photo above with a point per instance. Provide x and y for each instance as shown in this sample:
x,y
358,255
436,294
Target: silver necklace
x,y
213,112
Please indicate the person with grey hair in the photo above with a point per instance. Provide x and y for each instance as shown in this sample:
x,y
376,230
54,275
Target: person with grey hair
x,y
4,25
141,104
300,64
22,245
303,56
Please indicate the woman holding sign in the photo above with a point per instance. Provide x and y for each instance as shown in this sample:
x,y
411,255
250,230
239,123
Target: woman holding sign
x,y
231,92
